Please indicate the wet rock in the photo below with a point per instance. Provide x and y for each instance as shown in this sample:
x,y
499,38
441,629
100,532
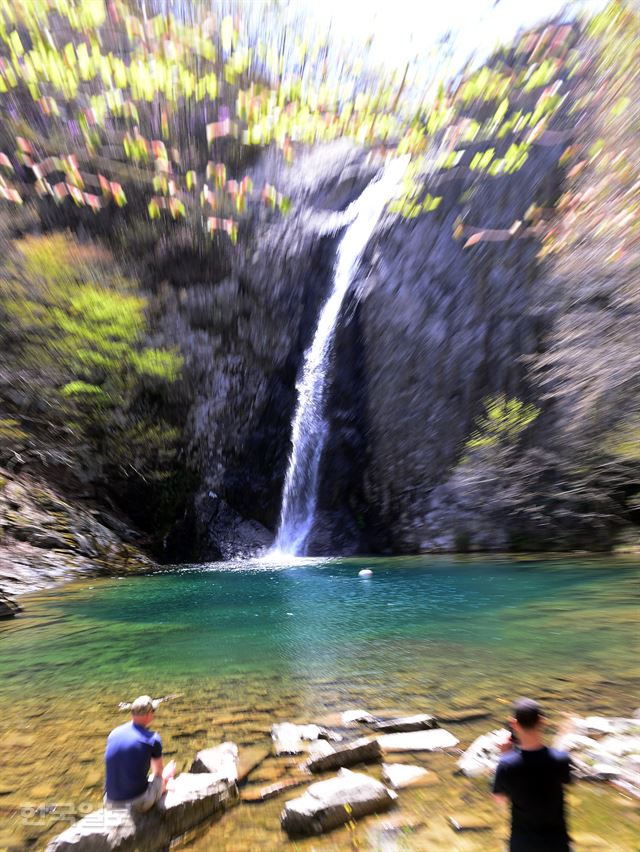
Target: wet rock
x,y
349,754
8,607
418,741
611,755
221,761
328,804
192,799
404,724
402,775
482,756
224,532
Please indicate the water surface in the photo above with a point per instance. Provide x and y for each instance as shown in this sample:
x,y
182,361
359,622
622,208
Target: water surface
x,y
253,644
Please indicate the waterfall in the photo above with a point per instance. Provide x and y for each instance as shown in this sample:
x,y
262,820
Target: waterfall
x,y
309,430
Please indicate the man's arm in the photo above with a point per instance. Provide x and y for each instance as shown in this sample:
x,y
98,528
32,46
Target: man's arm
x,y
157,765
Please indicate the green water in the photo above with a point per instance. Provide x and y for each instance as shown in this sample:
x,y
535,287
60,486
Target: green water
x,y
249,645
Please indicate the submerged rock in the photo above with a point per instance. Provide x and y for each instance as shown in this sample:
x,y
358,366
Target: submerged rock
x,y
192,799
418,741
328,804
349,754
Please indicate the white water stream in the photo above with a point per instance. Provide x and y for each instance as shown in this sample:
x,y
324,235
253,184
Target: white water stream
x,y
309,430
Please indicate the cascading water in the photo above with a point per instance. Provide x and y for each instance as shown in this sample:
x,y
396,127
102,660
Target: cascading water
x,y
309,429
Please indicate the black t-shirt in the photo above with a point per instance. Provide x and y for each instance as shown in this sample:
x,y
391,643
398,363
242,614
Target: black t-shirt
x,y
533,780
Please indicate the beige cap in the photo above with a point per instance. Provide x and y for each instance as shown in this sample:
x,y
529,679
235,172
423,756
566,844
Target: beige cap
x,y
142,705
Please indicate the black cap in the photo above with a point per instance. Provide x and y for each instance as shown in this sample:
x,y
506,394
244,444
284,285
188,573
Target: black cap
x,y
527,712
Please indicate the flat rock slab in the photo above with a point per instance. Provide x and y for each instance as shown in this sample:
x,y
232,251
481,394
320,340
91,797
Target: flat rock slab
x,y
348,754
192,799
221,760
401,775
482,756
288,738
328,804
418,741
403,724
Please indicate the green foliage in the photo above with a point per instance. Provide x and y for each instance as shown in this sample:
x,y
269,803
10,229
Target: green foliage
x,y
11,432
624,442
76,326
502,424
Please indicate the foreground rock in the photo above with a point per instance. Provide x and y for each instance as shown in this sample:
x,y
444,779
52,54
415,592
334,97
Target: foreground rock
x,y
482,756
8,607
418,741
604,749
331,803
403,724
349,754
193,799
288,738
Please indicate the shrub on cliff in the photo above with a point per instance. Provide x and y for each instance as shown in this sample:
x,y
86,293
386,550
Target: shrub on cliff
x,y
73,329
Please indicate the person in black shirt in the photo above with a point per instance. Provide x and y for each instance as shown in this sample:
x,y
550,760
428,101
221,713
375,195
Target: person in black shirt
x,y
533,776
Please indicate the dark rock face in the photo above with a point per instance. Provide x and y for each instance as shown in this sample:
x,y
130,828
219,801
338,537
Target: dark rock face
x,y
225,534
8,607
442,328
45,539
243,339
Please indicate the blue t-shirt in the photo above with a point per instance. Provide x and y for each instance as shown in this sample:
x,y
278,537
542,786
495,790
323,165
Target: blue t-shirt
x,y
128,758
534,782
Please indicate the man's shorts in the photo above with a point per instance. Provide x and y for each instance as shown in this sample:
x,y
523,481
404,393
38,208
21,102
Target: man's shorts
x,y
141,803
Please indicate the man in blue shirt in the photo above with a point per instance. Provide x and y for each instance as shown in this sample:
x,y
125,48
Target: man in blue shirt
x,y
533,776
132,749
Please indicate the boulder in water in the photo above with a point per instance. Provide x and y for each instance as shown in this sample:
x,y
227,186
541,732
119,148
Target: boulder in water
x,y
328,804
349,754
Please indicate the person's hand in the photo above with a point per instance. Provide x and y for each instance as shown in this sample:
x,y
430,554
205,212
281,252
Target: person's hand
x,y
505,744
167,774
